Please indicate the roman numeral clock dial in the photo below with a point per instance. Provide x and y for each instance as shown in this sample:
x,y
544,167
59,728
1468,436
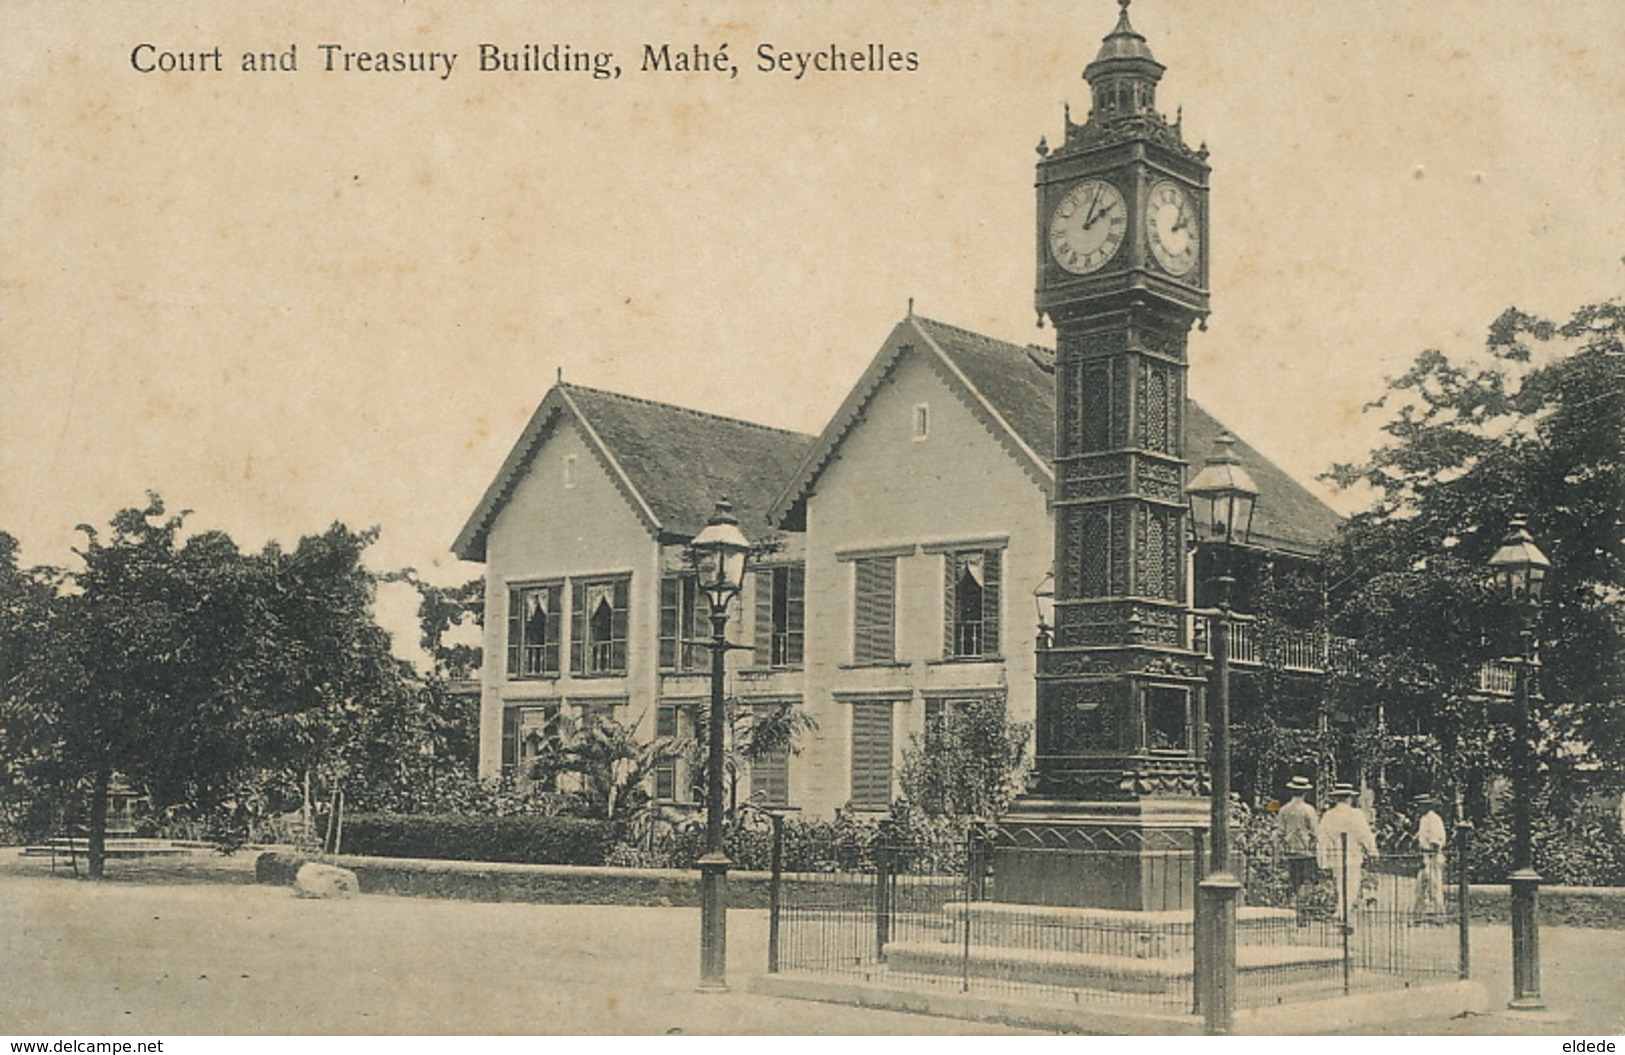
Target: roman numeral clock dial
x,y
1088,226
1170,219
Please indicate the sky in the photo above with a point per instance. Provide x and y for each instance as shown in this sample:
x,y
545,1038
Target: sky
x,y
290,297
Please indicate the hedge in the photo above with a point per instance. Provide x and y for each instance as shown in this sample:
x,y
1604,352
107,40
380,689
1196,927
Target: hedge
x,y
458,837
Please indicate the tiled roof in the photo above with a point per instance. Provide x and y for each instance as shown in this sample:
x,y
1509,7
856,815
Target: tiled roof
x,y
681,461
1012,388
1019,381
671,463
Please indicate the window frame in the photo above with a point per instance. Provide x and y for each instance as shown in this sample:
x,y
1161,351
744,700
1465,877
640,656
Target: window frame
x,y
516,648
986,630
690,611
586,646
781,616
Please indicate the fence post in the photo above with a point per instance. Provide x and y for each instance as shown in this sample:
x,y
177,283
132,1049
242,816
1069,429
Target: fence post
x,y
773,891
883,868
1343,909
1464,958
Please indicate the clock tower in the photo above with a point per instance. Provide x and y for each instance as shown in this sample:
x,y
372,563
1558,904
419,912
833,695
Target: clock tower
x,y
1122,276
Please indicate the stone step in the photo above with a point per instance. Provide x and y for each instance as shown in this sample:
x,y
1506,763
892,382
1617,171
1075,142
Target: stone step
x,y
1142,935
1106,971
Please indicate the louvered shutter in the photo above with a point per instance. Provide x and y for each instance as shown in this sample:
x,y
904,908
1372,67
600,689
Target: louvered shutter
x,y
950,605
578,628
770,775
666,771
515,631
871,753
795,609
762,652
876,582
991,578
618,621
510,738
668,622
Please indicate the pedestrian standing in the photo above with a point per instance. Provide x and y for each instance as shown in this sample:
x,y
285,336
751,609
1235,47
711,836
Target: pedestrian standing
x,y
1300,832
1430,844
1345,857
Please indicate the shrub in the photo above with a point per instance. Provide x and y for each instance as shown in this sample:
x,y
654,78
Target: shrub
x,y
1585,849
456,837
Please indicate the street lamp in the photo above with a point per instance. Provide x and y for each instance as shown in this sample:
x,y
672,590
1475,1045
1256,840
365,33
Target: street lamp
x,y
1222,497
1044,604
719,553
1519,572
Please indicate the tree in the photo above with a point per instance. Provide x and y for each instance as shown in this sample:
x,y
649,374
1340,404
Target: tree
x,y
210,679
1533,426
971,762
753,735
135,667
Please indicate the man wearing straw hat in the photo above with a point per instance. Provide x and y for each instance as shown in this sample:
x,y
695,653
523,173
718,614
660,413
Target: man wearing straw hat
x,y
1300,831
1430,844
1346,841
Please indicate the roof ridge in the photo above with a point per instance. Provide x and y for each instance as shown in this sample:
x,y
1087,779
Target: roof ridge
x,y
982,337
681,409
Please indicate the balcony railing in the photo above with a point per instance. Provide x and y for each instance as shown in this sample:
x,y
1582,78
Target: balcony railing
x,y
1309,651
1316,652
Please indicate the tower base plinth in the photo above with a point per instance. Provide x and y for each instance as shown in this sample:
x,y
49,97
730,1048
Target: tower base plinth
x,y
1139,855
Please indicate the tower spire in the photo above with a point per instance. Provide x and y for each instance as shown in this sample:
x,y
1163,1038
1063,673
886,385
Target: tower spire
x,y
1124,74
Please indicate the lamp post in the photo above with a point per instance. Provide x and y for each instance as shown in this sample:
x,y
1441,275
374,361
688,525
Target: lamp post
x,y
719,552
1519,570
1222,497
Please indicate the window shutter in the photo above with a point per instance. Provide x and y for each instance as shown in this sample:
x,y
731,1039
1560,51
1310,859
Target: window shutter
x,y
991,577
762,653
618,619
950,605
578,627
871,753
668,622
795,612
515,632
876,583
770,775
510,738
666,771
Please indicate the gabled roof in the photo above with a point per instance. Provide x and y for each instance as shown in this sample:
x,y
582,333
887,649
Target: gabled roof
x,y
1011,389
670,463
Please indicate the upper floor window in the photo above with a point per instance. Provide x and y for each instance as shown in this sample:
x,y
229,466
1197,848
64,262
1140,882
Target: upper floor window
x,y
598,623
971,603
533,631
685,617
781,600
922,420
874,610
569,470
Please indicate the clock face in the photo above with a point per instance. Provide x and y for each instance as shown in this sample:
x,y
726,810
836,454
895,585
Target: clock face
x,y
1171,226
1088,226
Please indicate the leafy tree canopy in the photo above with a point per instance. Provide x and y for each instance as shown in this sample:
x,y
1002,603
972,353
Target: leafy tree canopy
x,y
1533,427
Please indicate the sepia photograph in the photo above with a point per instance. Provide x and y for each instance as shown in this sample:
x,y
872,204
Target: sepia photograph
x,y
734,518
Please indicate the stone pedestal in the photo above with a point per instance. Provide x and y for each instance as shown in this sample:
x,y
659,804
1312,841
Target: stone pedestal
x,y
1138,855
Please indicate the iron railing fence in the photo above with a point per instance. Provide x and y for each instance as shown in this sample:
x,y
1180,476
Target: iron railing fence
x,y
1395,919
948,928
1009,913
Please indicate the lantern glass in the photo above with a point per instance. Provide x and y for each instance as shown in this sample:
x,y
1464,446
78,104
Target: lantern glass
x,y
719,553
1519,567
1222,497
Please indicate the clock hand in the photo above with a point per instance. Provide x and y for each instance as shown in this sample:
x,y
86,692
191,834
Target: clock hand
x,y
1089,214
